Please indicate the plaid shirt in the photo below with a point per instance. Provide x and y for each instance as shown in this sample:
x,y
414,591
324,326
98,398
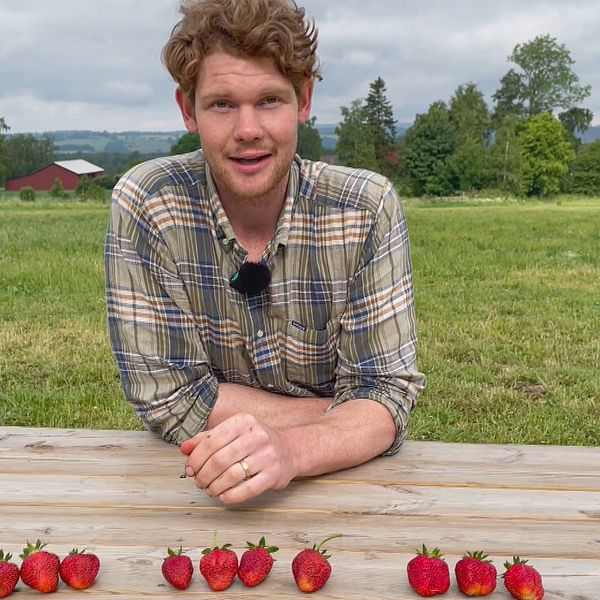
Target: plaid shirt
x,y
336,321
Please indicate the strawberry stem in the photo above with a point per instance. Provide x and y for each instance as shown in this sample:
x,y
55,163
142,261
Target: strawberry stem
x,y
331,537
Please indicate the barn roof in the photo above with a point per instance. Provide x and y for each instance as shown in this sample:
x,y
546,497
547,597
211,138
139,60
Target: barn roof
x,y
79,166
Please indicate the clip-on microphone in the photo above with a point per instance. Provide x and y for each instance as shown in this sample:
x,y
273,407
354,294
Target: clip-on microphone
x,y
251,279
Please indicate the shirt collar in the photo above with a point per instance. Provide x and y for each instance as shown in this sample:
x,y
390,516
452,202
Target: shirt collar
x,y
285,218
222,225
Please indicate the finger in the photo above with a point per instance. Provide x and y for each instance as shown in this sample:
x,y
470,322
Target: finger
x,y
255,486
190,445
211,442
235,475
220,464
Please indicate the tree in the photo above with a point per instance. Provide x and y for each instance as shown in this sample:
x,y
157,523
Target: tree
x,y
471,118
57,190
188,142
576,121
4,162
546,155
355,145
428,145
585,173
545,82
379,115
469,113
309,140
509,97
506,156
88,189
27,154
468,166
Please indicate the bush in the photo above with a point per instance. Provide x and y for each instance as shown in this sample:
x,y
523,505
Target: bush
x,y
88,189
57,190
27,194
585,176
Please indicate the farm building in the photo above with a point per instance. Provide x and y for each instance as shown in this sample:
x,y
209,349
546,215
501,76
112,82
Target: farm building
x,y
68,171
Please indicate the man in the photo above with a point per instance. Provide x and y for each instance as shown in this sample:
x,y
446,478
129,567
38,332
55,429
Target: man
x,y
260,306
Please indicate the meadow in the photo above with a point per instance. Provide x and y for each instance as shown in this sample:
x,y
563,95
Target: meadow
x,y
508,305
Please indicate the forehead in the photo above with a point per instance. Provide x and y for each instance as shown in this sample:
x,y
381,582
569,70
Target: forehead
x,y
221,72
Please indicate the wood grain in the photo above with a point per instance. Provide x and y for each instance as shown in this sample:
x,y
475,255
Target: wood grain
x,y
119,494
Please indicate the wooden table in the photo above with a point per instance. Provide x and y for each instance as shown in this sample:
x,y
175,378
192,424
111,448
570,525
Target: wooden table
x,y
119,494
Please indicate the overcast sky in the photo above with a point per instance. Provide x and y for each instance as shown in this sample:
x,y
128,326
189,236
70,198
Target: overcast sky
x,y
95,64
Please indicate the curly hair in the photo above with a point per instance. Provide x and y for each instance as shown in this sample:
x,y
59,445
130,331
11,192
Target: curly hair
x,y
244,28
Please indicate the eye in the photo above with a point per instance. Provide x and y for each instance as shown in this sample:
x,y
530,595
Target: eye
x,y
271,101
221,104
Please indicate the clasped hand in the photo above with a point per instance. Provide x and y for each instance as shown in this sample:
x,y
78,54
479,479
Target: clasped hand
x,y
239,459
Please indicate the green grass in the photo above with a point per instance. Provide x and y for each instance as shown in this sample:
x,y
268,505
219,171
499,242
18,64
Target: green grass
x,y
508,305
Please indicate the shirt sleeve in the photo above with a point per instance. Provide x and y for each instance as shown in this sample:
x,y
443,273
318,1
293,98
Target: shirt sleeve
x,y
162,363
378,340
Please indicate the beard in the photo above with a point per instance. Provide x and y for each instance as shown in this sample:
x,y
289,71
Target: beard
x,y
260,188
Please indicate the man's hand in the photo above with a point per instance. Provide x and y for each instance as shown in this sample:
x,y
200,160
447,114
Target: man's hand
x,y
217,459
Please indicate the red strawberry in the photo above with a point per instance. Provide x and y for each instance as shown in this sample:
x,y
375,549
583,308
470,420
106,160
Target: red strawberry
x,y
79,570
522,580
256,563
475,575
178,569
39,569
9,575
311,568
218,566
428,573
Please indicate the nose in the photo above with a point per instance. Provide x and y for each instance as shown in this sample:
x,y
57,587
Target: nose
x,y
248,126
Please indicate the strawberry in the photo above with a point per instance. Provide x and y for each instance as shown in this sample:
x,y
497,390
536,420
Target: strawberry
x,y
522,580
9,575
178,569
39,569
218,566
475,574
79,570
256,563
311,568
428,573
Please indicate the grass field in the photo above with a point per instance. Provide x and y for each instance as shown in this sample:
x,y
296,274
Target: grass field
x,y
508,301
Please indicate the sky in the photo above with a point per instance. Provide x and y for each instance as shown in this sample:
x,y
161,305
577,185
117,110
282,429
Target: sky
x,y
95,64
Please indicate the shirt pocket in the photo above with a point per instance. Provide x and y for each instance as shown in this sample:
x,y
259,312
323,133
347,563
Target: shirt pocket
x,y
309,356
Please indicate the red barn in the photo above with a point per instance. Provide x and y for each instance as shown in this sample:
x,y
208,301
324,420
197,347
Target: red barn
x,y
68,171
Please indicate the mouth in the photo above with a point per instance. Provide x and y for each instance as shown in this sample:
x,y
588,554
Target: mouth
x,y
250,161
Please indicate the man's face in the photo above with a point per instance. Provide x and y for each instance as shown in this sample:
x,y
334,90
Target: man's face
x,y
247,115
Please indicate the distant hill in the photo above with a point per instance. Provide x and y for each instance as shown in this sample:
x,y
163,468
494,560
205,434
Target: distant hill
x,y
120,142
591,135
329,138
160,142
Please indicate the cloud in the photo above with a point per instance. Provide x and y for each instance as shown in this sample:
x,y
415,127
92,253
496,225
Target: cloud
x,y
65,66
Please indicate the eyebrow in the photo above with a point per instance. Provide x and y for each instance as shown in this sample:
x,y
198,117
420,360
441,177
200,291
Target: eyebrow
x,y
224,93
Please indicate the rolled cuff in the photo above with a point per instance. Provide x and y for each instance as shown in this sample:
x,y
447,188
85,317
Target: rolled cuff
x,y
186,414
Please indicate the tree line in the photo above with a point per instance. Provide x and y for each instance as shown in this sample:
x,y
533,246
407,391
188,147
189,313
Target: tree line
x,y
527,144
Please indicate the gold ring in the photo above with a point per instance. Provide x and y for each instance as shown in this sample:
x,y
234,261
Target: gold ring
x,y
245,468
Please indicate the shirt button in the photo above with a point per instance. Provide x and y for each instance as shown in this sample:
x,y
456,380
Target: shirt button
x,y
260,333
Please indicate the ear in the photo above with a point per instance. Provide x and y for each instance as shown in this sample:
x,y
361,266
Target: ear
x,y
305,101
186,107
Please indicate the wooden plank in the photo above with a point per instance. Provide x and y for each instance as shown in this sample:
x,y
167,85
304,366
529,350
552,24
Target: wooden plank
x,y
118,493
418,464
134,572
303,496
380,533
